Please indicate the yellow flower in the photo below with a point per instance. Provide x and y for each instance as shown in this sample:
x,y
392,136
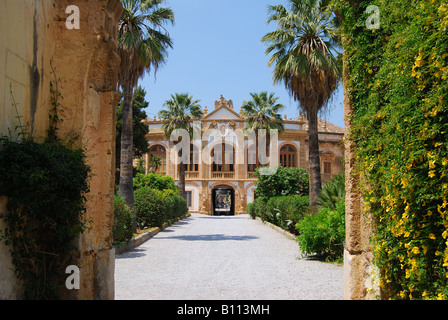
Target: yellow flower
x,y
445,234
415,250
432,164
370,71
444,161
432,236
432,174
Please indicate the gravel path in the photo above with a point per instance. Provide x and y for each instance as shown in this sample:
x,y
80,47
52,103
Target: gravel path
x,y
220,258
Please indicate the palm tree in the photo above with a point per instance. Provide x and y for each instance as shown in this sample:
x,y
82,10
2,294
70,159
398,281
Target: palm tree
x,y
305,53
180,112
143,44
262,112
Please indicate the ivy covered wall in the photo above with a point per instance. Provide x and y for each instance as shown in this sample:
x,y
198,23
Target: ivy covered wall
x,y
398,91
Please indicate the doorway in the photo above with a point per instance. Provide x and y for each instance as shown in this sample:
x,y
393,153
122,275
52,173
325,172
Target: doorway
x,y
223,201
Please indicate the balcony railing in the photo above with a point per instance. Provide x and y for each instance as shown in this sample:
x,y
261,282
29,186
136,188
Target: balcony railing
x,y
191,175
223,175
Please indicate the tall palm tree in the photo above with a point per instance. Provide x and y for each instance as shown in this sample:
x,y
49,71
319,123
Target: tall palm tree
x,y
262,112
180,113
143,44
305,53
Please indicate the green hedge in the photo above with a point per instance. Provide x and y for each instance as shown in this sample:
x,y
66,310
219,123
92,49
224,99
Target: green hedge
x,y
123,225
397,85
285,182
324,233
283,211
150,208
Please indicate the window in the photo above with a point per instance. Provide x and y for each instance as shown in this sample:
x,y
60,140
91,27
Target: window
x,y
223,160
159,152
288,155
327,167
193,166
252,158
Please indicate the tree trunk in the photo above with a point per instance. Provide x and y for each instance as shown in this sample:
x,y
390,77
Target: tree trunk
x,y
126,187
315,175
181,185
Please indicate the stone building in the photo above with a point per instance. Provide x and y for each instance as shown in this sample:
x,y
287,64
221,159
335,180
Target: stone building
x,y
85,57
219,176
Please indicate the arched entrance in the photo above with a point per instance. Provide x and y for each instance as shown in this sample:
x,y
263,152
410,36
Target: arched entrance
x,y
223,201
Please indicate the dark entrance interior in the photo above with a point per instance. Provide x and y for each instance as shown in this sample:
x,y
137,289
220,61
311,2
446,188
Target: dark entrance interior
x,y
223,201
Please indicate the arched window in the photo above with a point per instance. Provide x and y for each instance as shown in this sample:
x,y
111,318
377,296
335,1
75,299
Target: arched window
x,y
288,156
223,158
159,152
193,166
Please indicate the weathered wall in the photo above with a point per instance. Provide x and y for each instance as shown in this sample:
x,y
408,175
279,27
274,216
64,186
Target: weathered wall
x,y
360,275
86,61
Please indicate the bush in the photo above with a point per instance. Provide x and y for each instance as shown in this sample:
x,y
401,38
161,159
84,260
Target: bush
x,y
332,192
287,211
150,207
155,181
175,204
123,226
285,182
46,186
324,233
251,210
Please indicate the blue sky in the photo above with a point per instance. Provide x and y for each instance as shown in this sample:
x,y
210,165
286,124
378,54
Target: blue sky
x,y
218,50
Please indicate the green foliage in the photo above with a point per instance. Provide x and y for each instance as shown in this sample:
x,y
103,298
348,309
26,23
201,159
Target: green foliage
x,y
175,204
398,89
150,207
286,211
286,181
123,226
324,233
332,192
155,181
45,185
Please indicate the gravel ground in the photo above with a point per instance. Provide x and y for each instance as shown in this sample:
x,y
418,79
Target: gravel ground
x,y
223,258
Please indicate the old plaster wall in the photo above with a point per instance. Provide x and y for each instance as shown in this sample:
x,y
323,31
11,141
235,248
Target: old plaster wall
x,y
85,60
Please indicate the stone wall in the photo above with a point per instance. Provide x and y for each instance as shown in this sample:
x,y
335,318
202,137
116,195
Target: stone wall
x,y
360,275
85,60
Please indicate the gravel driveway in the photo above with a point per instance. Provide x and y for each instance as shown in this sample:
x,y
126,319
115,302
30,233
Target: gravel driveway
x,y
220,258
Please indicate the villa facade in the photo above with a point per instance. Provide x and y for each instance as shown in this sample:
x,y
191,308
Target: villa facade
x,y
219,176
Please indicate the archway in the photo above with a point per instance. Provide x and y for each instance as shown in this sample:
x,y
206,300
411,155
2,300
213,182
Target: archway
x,y
223,201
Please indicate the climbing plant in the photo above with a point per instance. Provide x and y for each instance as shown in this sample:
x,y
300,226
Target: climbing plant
x,y
45,185
398,88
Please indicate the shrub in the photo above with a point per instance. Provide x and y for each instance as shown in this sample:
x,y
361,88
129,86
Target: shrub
x,y
251,210
287,211
46,186
155,181
324,233
332,192
150,207
123,226
285,182
176,205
